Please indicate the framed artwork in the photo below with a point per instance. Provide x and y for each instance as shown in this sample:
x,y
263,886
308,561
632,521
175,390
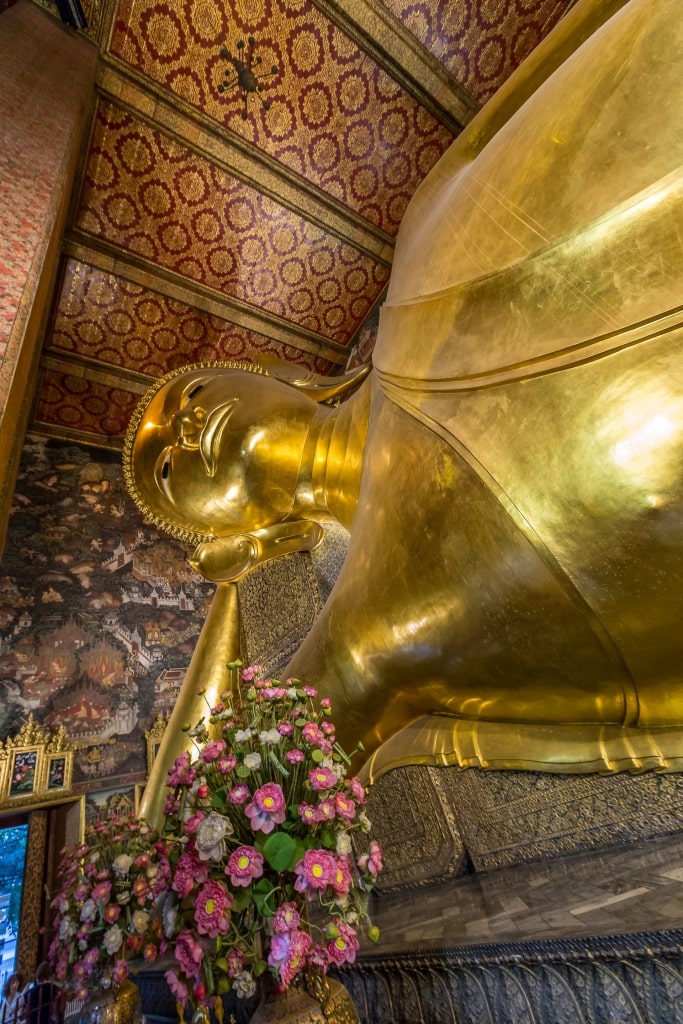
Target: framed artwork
x,y
24,772
35,767
58,772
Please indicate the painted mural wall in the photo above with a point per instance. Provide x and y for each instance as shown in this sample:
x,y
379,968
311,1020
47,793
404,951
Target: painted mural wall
x,y
99,614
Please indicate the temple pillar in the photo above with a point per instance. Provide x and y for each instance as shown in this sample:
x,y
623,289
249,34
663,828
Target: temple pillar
x,y
47,72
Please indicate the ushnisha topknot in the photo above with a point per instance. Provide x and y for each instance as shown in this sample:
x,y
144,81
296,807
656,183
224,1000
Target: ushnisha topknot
x,y
178,532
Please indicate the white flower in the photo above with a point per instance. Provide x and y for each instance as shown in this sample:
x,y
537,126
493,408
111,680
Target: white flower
x,y
122,864
89,911
242,735
140,921
113,938
170,915
210,836
364,821
271,736
67,929
343,844
63,906
291,692
82,945
244,985
252,761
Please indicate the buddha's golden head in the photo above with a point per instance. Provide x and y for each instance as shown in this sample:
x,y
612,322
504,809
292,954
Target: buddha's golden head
x,y
215,450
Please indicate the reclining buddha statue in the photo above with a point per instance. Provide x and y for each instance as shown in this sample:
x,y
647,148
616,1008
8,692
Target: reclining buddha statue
x,y
511,471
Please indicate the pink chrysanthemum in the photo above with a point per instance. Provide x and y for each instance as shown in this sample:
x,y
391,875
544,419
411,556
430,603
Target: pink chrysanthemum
x,y
287,956
188,953
372,861
345,806
286,918
239,793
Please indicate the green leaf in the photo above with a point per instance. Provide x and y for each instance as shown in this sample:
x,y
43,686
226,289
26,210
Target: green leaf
x,y
259,968
242,772
222,964
300,722
328,839
317,756
279,850
219,798
264,898
242,899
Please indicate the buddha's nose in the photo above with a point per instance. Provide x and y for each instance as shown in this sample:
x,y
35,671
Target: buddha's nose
x,y
187,424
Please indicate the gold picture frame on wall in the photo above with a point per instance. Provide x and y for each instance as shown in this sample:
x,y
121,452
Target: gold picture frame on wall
x,y
36,767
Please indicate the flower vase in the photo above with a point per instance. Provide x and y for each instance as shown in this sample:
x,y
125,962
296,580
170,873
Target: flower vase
x,y
321,1001
117,1005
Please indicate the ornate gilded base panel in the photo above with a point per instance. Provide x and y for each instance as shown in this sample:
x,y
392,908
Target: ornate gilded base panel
x,y
412,812
507,818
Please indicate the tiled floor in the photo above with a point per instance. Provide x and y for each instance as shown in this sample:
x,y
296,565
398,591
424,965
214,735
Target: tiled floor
x,y
611,892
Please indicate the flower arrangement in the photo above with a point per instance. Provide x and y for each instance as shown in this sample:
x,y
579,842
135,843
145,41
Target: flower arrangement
x,y
263,874
105,908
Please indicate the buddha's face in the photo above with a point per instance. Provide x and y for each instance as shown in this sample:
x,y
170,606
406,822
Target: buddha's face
x,y
218,451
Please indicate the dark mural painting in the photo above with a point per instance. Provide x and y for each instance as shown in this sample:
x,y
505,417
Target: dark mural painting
x,y
99,613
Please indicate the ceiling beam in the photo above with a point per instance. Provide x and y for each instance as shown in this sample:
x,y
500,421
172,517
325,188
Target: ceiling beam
x,y
379,34
112,260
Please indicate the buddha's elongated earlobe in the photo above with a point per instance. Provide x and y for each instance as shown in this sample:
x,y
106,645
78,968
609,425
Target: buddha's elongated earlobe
x,y
314,385
228,559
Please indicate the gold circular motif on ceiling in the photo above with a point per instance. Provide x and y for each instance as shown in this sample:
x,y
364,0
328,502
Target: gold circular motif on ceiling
x,y
148,312
359,140
321,262
135,155
207,226
120,210
119,321
163,34
207,20
156,199
279,120
252,250
191,186
325,152
88,333
292,272
364,182
283,239
306,51
353,92
316,105
240,214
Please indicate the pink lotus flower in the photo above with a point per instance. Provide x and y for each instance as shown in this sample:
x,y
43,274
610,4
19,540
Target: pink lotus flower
x,y
286,918
212,751
372,861
357,790
244,865
189,870
188,953
177,987
120,972
315,870
309,814
212,909
343,948
295,756
102,892
181,773
239,793
285,728
342,881
235,959
226,763
288,952
267,809
326,809
312,734
346,807
111,913
322,778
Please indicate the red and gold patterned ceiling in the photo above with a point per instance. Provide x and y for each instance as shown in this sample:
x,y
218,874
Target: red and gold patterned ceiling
x,y
196,234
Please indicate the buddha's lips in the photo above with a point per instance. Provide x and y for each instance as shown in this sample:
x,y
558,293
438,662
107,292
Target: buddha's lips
x,y
212,431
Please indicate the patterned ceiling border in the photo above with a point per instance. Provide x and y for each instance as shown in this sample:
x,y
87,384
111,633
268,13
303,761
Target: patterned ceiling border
x,y
378,33
204,136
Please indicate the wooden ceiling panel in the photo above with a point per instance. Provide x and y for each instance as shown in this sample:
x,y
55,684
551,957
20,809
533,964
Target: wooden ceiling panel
x,y
336,117
109,321
146,194
480,42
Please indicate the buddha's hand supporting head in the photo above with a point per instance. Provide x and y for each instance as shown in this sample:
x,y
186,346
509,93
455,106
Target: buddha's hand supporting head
x,y
228,559
217,451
